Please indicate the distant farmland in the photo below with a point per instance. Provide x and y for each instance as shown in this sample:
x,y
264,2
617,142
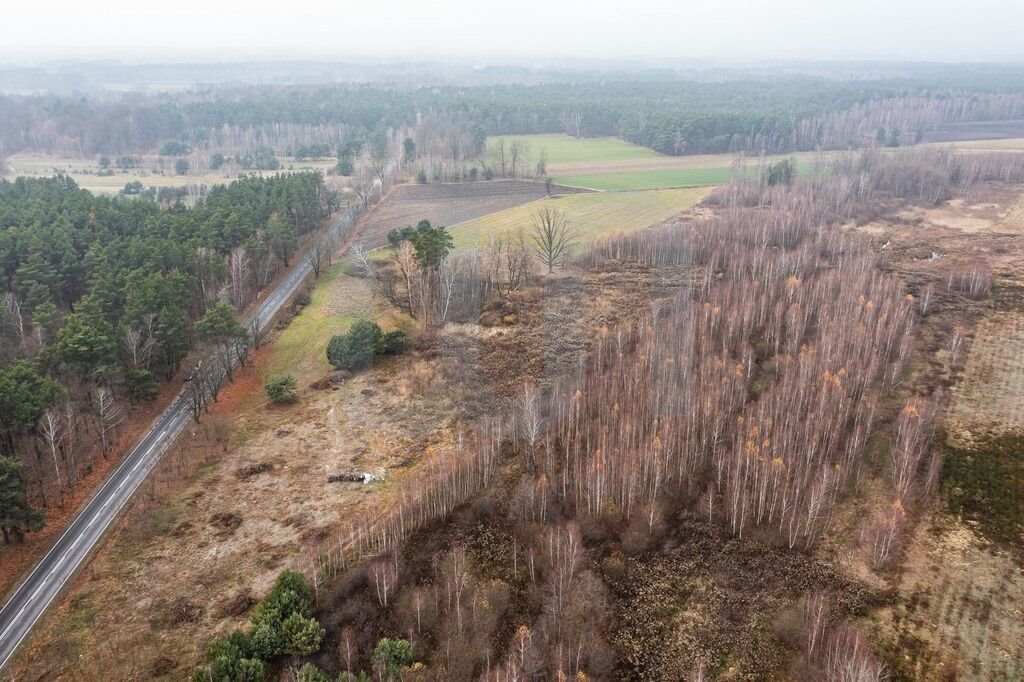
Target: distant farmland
x,y
610,164
562,149
593,215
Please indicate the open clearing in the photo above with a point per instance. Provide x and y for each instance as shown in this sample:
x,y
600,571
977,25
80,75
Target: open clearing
x,y
157,172
447,204
593,215
959,614
336,302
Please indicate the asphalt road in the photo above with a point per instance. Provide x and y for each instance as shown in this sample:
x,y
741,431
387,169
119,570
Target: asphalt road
x,y
46,581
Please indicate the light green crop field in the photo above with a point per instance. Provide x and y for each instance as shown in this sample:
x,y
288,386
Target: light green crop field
x,y
610,164
665,178
592,215
684,177
558,148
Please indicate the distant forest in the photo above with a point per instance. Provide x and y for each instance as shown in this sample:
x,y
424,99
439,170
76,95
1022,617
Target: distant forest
x,y
670,116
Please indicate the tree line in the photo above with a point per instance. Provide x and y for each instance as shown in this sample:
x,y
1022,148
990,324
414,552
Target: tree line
x,y
673,117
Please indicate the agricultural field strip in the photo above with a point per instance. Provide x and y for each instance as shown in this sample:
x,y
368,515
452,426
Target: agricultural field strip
x,y
592,214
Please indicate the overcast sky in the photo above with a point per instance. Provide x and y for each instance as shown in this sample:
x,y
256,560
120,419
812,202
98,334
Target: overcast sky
x,y
943,30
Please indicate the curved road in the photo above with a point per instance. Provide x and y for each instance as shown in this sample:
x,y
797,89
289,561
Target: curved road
x,y
46,581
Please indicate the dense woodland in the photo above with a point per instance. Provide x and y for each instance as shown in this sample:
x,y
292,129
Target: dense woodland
x,y
104,297
673,117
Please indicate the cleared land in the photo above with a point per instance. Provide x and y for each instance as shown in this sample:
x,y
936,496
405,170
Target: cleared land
x,y
593,215
990,398
156,172
667,178
447,204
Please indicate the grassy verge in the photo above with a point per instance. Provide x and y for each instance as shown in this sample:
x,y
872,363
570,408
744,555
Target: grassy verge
x,y
301,347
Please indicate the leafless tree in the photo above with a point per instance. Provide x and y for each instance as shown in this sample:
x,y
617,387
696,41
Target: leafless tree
x,y
384,573
364,189
514,152
70,416
379,167
315,257
51,430
529,422
14,308
448,274
139,345
238,266
361,255
500,154
108,415
199,392
552,236
926,299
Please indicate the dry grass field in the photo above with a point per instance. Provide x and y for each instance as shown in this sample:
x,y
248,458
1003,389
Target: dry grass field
x,y
592,215
990,397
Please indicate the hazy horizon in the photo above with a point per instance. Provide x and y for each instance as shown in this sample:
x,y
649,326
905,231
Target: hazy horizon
x,y
728,31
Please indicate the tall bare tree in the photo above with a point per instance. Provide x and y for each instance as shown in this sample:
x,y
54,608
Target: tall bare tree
x,y
552,236
109,416
315,257
51,429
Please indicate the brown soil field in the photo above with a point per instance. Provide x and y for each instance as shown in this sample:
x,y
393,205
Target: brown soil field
x,y
448,204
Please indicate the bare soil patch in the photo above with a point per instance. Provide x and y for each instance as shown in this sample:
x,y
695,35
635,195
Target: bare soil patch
x,y
449,203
